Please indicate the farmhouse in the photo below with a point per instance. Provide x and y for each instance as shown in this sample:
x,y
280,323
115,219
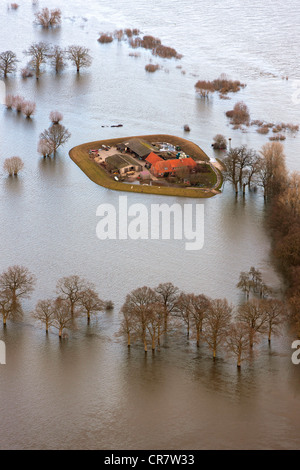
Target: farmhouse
x,y
152,159
122,163
170,167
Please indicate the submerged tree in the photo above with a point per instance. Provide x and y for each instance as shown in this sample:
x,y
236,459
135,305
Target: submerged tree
x,y
8,308
13,165
272,172
45,148
8,63
28,108
90,303
48,18
237,342
45,313
57,57
39,53
55,117
183,310
62,316
275,312
70,288
56,136
200,305
254,316
137,311
18,283
79,56
217,323
167,294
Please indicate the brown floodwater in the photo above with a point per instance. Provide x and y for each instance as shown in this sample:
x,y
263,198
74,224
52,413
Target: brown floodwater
x,y
89,391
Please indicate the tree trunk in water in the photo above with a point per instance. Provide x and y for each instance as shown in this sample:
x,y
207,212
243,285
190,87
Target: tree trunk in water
x,y
270,334
88,318
128,340
60,333
239,361
4,321
198,337
251,338
153,343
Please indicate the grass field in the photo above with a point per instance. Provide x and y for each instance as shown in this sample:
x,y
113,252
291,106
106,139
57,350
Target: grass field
x,y
98,175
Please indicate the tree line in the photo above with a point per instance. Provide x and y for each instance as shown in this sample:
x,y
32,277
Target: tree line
x,y
76,297
267,169
247,168
41,53
150,315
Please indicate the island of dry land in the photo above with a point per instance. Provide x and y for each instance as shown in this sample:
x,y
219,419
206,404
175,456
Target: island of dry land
x,y
154,164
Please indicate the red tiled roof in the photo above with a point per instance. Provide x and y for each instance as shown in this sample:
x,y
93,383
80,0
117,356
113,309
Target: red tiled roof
x,y
171,165
163,166
153,158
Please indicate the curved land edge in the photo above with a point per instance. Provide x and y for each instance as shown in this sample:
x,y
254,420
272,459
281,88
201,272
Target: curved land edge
x,y
80,155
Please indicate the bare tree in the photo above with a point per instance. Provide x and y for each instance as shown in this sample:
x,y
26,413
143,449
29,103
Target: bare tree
x,y
79,56
8,309
45,312
90,303
45,148
48,18
62,315
58,58
272,172
55,117
275,312
254,316
18,103
232,171
9,101
167,294
127,323
56,136
71,288
39,53
28,108
18,283
199,310
155,325
183,310
13,165
8,63
245,283
237,342
138,308
217,323
289,200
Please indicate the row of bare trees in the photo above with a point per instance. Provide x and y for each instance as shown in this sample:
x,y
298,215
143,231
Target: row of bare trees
x,y
149,315
41,53
245,167
20,104
75,297
252,281
284,222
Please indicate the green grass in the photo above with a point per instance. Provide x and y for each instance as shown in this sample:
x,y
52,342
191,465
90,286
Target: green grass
x,y
98,175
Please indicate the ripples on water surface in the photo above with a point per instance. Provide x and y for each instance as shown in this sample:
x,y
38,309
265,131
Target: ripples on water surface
x,y
89,392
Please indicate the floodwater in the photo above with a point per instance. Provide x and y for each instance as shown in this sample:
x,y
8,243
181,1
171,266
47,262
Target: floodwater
x,y
89,391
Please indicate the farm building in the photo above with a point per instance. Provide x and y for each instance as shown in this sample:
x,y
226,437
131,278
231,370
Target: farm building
x,y
122,163
139,147
170,167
